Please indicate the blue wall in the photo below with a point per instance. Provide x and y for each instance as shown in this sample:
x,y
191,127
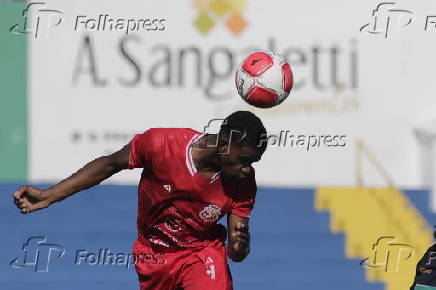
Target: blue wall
x,y
291,244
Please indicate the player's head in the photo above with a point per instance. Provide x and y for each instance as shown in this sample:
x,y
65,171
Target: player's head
x,y
239,143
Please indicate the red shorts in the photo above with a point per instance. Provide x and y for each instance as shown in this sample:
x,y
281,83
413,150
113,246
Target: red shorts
x,y
199,269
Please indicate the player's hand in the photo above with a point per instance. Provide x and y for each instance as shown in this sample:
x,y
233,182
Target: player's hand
x,y
241,241
29,198
242,236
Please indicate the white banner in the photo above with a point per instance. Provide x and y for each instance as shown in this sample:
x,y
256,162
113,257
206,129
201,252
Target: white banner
x,y
101,71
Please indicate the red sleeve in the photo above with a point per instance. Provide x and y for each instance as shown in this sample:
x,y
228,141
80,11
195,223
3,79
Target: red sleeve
x,y
243,203
141,150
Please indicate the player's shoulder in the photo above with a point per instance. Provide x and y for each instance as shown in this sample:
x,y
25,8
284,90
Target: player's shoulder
x,y
170,135
173,132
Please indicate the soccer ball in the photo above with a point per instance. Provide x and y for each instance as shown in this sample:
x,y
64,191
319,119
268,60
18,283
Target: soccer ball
x,y
264,79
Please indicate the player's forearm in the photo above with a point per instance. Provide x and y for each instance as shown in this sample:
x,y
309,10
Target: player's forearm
x,y
91,174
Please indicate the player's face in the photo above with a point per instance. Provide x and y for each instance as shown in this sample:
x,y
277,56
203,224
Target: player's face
x,y
236,162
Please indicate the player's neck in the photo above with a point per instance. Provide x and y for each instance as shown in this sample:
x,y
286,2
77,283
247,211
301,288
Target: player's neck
x,y
204,155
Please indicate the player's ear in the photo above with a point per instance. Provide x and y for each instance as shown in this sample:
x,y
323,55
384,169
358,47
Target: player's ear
x,y
223,146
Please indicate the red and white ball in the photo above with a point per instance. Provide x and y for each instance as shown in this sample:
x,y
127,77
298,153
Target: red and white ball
x,y
264,79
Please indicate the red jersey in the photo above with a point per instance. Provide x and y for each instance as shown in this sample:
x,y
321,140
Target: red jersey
x,y
178,207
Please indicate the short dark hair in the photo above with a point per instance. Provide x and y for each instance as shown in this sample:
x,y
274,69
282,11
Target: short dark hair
x,y
245,128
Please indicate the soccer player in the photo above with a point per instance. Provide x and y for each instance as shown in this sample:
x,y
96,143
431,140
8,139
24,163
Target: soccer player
x,y
190,180
425,277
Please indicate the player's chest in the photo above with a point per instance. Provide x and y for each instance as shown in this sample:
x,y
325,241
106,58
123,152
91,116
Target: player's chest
x,y
192,188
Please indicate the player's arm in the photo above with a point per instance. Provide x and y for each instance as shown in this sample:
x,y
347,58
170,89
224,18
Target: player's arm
x,y
239,237
29,198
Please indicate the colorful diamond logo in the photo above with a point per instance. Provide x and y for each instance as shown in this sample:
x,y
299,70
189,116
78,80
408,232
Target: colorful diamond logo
x,y
220,7
238,5
213,12
201,5
204,23
236,23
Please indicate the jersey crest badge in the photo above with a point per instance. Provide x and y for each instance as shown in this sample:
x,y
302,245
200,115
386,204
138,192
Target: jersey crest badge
x,y
210,213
